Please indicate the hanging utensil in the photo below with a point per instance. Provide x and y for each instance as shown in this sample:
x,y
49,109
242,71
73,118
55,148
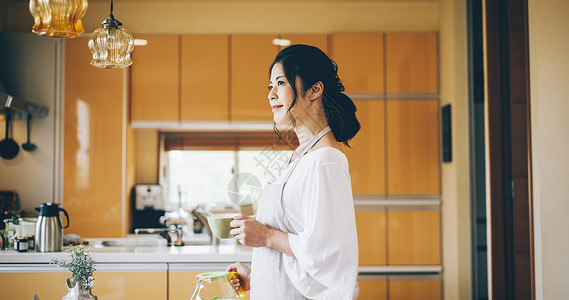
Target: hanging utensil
x,y
29,146
8,147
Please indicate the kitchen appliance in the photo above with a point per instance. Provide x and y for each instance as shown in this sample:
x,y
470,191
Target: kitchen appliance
x,y
216,285
49,230
148,206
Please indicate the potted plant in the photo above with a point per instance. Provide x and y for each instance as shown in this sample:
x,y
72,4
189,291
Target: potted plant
x,y
81,266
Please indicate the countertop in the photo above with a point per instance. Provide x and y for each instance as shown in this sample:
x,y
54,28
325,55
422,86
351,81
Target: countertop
x,y
196,257
200,255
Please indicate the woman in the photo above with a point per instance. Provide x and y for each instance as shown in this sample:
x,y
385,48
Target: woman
x,y
304,233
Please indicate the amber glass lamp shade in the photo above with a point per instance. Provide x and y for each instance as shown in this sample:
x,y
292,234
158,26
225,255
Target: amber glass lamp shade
x,y
58,18
111,45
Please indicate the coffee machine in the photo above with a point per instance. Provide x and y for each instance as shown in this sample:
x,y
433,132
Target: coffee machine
x,y
148,206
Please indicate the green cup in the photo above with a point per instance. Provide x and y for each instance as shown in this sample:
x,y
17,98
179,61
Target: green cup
x,y
219,224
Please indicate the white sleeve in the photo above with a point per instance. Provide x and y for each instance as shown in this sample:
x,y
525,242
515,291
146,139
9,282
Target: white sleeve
x,y
326,250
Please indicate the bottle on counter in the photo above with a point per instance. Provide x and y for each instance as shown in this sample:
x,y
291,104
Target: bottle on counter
x,y
198,225
31,242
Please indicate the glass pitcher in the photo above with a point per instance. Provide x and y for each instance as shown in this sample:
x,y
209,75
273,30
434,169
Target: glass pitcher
x,y
216,286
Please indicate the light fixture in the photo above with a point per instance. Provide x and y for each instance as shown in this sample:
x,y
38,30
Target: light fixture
x,y
111,45
56,18
281,42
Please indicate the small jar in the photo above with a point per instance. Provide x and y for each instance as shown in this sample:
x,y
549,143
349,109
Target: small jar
x,y
31,242
21,244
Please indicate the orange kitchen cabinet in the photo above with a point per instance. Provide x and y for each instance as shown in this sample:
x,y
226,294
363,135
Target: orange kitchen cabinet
x,y
360,61
414,289
371,227
367,153
49,285
251,58
181,284
204,63
413,238
411,63
155,79
131,285
317,40
93,145
372,289
412,149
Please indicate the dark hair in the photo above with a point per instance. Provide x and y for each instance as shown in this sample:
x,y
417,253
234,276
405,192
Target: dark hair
x,y
311,65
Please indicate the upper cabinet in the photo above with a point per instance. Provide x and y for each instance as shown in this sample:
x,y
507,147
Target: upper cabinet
x,y
206,77
204,62
360,61
411,61
251,57
412,147
172,77
155,79
366,153
318,40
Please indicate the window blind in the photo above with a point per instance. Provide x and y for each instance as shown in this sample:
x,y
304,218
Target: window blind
x,y
228,141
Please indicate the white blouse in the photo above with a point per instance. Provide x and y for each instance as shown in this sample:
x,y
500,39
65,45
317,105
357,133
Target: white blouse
x,y
318,203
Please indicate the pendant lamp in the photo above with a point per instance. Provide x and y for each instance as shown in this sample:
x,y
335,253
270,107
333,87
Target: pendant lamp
x,y
111,45
56,18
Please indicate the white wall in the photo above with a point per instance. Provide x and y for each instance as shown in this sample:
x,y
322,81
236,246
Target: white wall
x,y
549,90
28,71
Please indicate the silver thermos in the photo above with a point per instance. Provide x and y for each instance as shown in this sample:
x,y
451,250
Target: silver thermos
x,y
49,230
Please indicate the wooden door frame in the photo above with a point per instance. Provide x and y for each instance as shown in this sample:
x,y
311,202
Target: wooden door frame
x,y
508,107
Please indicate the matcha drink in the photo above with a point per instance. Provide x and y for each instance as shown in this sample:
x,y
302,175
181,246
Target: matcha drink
x,y
219,224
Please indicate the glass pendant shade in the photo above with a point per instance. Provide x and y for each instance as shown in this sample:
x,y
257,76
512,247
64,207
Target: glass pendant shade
x,y
58,18
111,45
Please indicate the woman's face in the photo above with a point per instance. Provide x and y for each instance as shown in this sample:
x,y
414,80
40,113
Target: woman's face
x,y
280,95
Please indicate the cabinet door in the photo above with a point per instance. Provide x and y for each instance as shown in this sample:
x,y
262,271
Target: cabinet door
x,y
131,285
412,147
92,151
251,58
155,79
367,153
181,284
204,78
26,285
411,63
360,61
413,238
371,237
372,289
317,40
415,290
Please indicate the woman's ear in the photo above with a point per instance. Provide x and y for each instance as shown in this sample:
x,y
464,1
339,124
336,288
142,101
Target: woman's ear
x,y
316,91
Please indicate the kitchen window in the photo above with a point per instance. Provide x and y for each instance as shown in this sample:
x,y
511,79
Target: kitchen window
x,y
221,169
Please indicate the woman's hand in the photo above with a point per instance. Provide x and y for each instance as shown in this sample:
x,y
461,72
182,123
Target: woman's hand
x,y
250,232
253,233
243,278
